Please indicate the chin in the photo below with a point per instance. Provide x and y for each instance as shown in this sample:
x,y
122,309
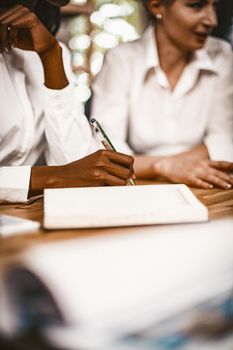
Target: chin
x,y
199,46
195,45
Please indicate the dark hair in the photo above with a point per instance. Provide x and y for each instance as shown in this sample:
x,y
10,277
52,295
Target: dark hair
x,y
225,17
49,15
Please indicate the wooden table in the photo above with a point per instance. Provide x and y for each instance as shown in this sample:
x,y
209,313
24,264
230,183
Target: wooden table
x,y
219,203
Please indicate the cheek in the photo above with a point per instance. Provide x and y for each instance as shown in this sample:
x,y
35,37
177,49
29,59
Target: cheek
x,y
176,28
181,29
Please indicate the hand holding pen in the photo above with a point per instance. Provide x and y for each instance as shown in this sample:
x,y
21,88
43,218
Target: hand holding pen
x,y
104,139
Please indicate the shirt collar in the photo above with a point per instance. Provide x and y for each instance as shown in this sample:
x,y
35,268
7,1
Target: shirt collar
x,y
151,58
201,59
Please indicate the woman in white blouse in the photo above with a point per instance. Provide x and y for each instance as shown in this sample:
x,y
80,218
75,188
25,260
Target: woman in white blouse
x,y
167,98
39,113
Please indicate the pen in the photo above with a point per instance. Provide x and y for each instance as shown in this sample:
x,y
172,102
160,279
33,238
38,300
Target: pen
x,y
104,139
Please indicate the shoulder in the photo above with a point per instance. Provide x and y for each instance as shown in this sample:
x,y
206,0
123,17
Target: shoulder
x,y
126,52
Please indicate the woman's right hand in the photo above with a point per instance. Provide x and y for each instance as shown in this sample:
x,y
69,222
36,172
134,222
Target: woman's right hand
x,y
203,173
101,168
25,31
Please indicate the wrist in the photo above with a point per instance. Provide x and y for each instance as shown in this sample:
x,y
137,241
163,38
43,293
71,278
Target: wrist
x,y
43,177
54,72
54,50
158,165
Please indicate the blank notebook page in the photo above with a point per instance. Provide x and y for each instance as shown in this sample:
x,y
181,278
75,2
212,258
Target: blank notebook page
x,y
119,206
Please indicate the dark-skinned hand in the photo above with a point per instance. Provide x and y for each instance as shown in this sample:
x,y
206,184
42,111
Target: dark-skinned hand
x,y
103,167
21,28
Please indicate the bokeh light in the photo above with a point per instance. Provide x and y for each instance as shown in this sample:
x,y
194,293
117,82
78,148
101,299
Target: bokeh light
x,y
91,34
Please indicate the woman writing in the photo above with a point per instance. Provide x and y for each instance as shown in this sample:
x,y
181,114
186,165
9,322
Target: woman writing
x,y
168,97
40,115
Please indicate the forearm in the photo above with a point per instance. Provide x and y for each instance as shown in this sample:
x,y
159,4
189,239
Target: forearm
x,y
144,166
198,152
43,177
54,73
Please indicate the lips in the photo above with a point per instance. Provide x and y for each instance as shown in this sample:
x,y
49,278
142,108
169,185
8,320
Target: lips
x,y
202,35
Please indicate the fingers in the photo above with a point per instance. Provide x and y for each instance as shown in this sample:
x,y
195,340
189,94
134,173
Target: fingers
x,y
18,16
197,182
4,39
10,11
13,13
226,166
24,30
112,165
210,175
208,180
8,21
225,179
12,33
112,180
216,177
120,171
121,165
211,178
120,158
216,181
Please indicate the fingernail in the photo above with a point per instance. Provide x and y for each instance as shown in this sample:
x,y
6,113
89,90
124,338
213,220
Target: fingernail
x,y
227,185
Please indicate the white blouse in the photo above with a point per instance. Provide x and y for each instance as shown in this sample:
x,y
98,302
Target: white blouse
x,y
36,120
135,106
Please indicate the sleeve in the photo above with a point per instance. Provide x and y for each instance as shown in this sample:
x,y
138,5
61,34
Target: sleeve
x,y
68,133
110,101
14,183
219,137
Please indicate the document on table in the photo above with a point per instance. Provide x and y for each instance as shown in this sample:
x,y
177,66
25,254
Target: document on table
x,y
121,206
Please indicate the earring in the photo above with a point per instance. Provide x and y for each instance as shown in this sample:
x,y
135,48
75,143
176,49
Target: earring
x,y
158,16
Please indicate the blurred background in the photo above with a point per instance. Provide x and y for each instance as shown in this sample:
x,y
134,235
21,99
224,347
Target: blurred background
x,y
90,27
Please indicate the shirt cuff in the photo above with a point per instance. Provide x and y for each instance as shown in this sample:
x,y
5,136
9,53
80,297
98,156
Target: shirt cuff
x,y
220,149
14,182
63,103
57,99
59,92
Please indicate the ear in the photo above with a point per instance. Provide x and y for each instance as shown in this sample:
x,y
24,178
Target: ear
x,y
154,7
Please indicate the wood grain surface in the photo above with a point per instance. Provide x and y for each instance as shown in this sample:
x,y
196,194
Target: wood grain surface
x,y
219,203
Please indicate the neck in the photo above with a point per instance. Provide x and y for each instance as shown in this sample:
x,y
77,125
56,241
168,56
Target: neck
x,y
170,55
172,58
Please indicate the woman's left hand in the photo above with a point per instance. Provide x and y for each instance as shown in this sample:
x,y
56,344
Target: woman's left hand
x,y
21,28
203,173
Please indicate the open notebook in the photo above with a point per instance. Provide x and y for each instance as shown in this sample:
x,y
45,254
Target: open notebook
x,y
121,206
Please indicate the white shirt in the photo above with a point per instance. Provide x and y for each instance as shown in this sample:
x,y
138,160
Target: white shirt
x,y
135,106
36,120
